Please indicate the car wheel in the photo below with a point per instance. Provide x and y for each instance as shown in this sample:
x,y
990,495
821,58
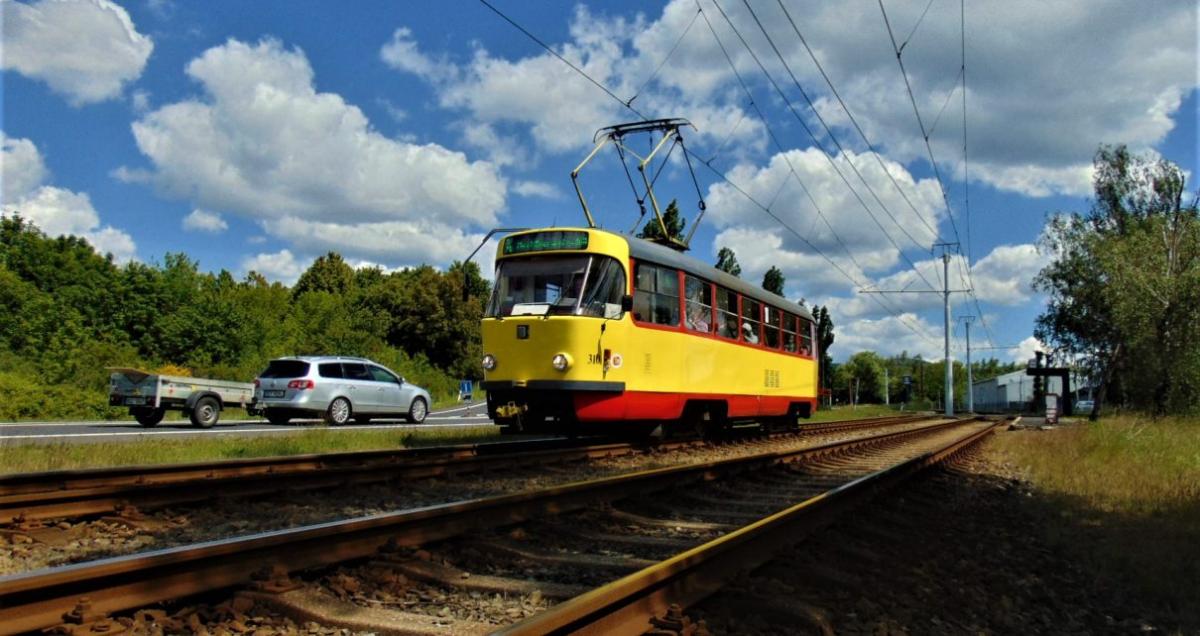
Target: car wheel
x,y
206,412
149,417
362,419
418,411
339,412
278,419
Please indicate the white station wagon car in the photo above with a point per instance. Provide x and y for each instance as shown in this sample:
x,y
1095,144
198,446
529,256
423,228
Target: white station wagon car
x,y
338,389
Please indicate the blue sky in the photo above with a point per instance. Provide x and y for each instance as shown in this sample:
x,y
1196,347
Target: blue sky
x,y
260,135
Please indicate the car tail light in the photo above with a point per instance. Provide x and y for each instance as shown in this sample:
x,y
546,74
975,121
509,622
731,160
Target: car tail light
x,y
302,384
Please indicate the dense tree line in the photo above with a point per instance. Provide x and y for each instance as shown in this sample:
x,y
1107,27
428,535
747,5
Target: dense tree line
x,y
872,374
1124,285
66,313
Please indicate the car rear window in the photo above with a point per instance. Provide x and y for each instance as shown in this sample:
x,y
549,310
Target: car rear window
x,y
285,369
330,370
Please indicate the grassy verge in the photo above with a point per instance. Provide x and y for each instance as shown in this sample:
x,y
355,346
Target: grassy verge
x,y
1123,496
858,412
64,456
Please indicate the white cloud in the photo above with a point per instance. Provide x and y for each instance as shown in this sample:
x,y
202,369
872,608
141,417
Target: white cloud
x,y
140,100
86,50
838,222
539,189
280,266
22,169
1025,351
55,211
203,221
398,243
1047,82
889,335
264,144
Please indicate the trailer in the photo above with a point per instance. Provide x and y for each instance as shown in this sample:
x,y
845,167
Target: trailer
x,y
149,396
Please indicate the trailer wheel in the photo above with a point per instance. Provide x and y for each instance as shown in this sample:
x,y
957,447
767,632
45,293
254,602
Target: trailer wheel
x,y
206,412
148,416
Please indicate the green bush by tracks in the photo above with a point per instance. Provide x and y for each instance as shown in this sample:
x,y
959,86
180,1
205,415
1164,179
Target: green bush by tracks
x,y
67,312
1123,496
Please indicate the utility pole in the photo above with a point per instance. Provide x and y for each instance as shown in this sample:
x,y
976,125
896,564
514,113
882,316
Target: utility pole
x,y
970,377
946,308
945,292
887,398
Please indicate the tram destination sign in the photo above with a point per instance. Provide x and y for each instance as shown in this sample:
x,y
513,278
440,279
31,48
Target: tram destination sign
x,y
544,242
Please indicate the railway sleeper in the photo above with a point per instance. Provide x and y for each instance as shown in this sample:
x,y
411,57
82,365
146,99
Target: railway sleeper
x,y
523,551
450,576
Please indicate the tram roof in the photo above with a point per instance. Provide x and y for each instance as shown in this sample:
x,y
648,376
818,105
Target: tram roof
x,y
642,249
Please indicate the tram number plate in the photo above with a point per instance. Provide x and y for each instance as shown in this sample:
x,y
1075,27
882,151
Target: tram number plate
x,y
135,401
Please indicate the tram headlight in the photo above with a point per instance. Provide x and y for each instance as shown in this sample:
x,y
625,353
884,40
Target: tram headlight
x,y
561,361
489,362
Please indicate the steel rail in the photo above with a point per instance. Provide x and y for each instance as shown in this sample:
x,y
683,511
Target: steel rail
x,y
627,605
33,497
40,599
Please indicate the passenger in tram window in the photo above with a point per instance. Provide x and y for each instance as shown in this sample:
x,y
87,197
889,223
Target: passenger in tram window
x,y
727,316
698,304
748,333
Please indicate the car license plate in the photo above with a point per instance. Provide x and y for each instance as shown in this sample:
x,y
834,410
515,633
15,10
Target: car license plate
x,y
273,394
135,401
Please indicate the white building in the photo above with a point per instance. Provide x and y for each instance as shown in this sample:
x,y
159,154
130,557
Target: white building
x,y
1013,391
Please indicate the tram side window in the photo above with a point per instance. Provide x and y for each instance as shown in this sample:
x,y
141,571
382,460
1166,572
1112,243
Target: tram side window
x,y
771,327
727,314
806,337
698,315
751,320
656,295
789,333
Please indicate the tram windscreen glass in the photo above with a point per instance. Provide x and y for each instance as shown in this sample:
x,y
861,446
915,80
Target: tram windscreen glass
x,y
585,285
548,241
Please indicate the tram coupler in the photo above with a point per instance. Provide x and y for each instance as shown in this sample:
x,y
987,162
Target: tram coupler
x,y
511,410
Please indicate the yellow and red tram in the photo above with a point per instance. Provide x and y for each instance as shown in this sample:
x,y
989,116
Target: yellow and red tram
x,y
590,328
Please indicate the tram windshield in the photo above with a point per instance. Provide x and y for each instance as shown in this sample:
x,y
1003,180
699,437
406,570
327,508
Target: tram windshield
x,y
583,285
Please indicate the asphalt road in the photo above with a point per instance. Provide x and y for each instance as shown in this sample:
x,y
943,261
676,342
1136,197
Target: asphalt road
x,y
116,431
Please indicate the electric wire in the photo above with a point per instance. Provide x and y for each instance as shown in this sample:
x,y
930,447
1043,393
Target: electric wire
x,y
854,122
879,300
664,60
964,269
718,173
812,135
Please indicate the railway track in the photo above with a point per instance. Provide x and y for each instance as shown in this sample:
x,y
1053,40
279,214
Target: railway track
x,y
720,516
29,499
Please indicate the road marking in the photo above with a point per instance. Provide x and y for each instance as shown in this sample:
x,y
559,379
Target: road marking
x,y
209,431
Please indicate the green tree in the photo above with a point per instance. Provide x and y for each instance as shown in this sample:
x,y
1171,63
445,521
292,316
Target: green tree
x,y
727,262
1124,284
329,273
653,231
773,281
824,342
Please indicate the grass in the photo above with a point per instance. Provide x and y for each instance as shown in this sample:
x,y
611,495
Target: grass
x,y
1123,496
66,456
848,413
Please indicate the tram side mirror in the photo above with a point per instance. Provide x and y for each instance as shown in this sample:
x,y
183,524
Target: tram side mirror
x,y
626,303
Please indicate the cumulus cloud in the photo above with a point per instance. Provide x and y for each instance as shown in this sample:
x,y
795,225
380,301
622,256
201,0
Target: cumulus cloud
x,y
1026,349
56,211
817,204
261,142
559,108
1025,91
280,266
398,243
539,189
203,221
86,50
22,170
